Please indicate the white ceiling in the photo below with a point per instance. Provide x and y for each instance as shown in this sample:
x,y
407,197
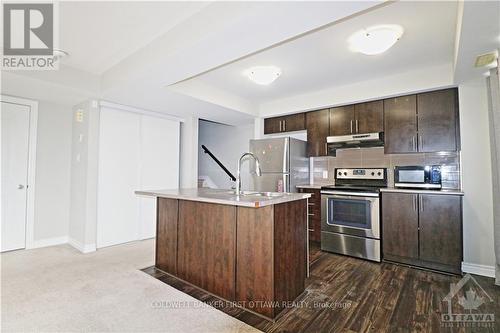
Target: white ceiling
x,y
131,52
321,59
98,35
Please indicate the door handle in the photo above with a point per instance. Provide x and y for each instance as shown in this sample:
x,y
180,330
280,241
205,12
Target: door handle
x,y
415,202
413,143
284,125
421,203
420,141
20,186
351,126
357,127
281,126
326,148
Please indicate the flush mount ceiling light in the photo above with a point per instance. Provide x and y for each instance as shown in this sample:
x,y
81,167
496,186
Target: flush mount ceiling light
x,y
488,60
375,40
263,75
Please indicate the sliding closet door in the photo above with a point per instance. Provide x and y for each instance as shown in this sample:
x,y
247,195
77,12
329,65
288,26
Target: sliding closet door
x,y
159,165
117,205
136,151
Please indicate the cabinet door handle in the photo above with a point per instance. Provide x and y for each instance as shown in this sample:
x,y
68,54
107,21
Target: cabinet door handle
x,y
421,203
413,143
280,126
326,149
351,126
284,125
357,127
420,141
415,202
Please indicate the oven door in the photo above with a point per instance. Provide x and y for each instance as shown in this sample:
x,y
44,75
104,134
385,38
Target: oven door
x,y
351,213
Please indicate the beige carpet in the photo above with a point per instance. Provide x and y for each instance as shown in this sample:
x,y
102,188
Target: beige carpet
x,y
58,289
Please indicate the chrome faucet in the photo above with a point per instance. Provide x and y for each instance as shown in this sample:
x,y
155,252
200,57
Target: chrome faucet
x,y
238,175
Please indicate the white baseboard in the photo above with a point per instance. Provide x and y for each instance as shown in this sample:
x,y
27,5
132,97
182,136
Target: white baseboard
x,y
483,270
84,248
48,242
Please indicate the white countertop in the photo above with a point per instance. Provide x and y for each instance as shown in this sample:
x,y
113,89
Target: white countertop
x,y
224,197
422,191
311,186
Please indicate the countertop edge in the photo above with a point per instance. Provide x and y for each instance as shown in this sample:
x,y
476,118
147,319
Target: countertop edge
x,y
418,191
251,204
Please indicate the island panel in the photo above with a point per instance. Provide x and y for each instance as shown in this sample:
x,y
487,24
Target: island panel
x,y
290,250
207,246
166,235
254,261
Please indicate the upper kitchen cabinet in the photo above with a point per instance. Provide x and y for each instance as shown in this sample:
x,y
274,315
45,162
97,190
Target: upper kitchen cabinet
x,y
357,119
273,125
318,128
400,124
342,120
424,123
438,121
369,117
294,122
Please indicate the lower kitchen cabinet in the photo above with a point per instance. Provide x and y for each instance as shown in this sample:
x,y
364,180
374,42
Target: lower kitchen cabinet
x,y
423,230
314,213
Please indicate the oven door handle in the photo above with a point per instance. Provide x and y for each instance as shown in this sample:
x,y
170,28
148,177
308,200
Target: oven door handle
x,y
342,194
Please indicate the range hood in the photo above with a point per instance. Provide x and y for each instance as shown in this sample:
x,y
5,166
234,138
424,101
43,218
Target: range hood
x,y
354,141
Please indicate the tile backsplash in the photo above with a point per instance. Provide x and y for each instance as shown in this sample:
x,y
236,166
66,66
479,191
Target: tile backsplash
x,y
375,158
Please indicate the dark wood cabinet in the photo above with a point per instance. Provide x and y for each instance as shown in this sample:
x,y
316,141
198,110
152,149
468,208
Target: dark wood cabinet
x,y
342,120
294,122
369,117
424,230
200,226
318,128
424,123
400,124
291,123
273,125
441,229
255,255
314,213
400,225
438,125
166,233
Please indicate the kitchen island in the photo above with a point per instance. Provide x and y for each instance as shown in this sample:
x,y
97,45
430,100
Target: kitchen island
x,y
250,249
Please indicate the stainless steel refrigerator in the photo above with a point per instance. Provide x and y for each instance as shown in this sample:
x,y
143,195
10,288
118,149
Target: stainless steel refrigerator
x,y
284,164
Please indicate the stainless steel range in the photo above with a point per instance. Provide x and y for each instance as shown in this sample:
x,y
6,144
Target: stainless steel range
x,y
350,213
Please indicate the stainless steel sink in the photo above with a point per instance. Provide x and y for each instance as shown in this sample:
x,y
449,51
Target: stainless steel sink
x,y
263,194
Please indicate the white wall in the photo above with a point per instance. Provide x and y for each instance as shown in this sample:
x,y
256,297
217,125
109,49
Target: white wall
x,y
227,143
53,161
476,174
408,82
188,177
84,167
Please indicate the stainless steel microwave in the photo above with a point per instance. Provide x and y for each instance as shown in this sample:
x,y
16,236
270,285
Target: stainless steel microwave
x,y
420,176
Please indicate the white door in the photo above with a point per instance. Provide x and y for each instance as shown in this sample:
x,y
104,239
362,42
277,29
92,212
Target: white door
x,y
117,205
15,121
159,165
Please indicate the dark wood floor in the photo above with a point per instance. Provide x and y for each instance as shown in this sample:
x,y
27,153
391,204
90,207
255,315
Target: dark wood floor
x,y
345,294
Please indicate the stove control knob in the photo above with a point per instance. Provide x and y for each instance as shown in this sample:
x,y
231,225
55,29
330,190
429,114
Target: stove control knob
x,y
379,173
340,173
373,173
345,173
